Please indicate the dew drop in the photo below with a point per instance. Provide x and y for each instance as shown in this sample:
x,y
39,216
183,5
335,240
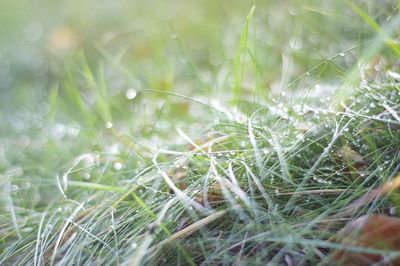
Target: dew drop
x,y
131,94
109,125
86,176
117,166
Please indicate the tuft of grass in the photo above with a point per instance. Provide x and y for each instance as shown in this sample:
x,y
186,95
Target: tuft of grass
x,y
248,194
128,149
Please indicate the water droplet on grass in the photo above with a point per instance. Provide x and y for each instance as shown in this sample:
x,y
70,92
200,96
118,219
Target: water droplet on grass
x,y
109,125
130,94
86,176
118,166
58,131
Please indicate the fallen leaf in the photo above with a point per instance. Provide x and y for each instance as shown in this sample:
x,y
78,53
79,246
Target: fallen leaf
x,y
369,197
179,176
214,195
354,162
375,231
350,155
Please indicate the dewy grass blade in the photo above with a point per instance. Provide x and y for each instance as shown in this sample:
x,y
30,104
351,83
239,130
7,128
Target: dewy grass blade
x,y
240,55
389,41
174,140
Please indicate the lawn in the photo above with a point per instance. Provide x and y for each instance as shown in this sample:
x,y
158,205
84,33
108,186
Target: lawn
x,y
200,132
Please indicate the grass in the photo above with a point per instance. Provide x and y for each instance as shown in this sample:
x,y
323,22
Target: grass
x,y
160,142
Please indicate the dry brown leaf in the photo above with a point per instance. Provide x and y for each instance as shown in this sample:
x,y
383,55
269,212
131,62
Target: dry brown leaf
x,y
369,231
214,195
370,197
354,162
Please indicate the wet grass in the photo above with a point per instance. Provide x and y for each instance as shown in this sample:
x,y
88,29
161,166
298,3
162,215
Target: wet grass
x,y
168,143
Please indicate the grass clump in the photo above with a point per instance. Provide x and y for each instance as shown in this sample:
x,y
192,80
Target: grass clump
x,y
249,193
201,151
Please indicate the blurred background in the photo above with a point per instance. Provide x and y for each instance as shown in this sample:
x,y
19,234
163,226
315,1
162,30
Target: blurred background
x,y
119,77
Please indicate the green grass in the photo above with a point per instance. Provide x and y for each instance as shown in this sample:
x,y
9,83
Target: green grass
x,y
216,132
